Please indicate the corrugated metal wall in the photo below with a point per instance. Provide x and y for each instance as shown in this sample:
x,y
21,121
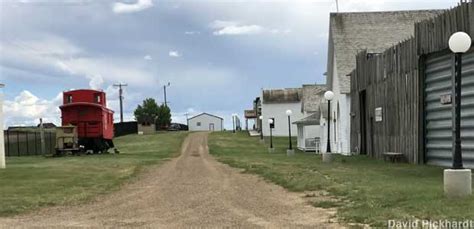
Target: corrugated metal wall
x,y
439,117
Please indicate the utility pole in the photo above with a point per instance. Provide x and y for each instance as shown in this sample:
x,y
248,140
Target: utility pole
x,y
120,85
164,90
187,121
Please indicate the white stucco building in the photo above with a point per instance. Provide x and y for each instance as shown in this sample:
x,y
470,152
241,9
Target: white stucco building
x,y
349,33
206,122
275,103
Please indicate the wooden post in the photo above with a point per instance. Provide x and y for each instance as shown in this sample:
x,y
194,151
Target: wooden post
x,y
43,146
2,146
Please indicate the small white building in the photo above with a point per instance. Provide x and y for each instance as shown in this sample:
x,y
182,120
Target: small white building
x,y
206,122
309,129
275,103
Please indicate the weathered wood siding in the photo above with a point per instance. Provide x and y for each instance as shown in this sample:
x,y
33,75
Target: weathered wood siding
x,y
393,80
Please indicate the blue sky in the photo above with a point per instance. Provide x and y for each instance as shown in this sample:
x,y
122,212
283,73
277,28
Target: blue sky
x,y
216,54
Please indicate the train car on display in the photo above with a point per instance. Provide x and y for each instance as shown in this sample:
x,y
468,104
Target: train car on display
x,y
87,110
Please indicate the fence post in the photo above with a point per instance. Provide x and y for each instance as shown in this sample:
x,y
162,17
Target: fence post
x,y
43,146
27,145
8,143
18,142
36,142
51,142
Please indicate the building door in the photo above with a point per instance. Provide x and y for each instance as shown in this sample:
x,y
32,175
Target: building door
x,y
211,127
363,122
439,117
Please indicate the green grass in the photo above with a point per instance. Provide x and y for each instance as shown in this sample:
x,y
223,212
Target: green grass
x,y
367,191
32,182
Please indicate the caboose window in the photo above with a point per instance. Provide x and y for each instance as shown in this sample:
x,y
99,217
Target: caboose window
x,y
97,98
69,99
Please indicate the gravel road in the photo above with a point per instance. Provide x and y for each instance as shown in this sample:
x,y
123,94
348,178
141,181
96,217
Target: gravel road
x,y
193,190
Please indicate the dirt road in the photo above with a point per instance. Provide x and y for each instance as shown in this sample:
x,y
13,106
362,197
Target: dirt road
x,y
193,190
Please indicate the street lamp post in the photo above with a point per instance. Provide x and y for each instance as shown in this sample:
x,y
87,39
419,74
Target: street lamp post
x,y
457,180
261,128
327,157
2,142
270,122
290,151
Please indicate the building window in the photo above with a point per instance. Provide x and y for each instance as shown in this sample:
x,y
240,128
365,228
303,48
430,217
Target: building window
x,y
198,124
69,99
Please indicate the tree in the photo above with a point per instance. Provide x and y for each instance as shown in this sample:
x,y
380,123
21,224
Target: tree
x,y
164,117
148,112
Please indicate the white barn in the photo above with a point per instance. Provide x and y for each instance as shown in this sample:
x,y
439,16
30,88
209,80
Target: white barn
x,y
350,33
206,122
275,103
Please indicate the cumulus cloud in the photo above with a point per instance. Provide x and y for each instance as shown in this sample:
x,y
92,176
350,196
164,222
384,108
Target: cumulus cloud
x,y
174,54
120,7
222,28
234,28
147,57
96,81
192,32
26,109
239,30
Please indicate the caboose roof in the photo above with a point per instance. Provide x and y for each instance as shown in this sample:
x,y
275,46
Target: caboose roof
x,y
85,104
83,90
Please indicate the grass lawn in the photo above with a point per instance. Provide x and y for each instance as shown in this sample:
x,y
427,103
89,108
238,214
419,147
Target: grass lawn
x,y
367,191
32,182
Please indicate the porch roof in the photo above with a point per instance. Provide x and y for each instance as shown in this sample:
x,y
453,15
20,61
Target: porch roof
x,y
310,120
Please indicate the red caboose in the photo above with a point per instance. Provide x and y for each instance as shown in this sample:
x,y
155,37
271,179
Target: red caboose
x,y
87,110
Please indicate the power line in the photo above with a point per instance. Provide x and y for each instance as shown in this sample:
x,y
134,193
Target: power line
x,y
120,85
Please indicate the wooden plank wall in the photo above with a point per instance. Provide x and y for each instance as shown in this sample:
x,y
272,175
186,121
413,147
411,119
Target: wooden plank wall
x,y
392,80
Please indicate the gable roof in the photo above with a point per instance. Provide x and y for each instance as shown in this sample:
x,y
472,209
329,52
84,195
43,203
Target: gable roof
x,y
286,95
207,115
312,95
350,33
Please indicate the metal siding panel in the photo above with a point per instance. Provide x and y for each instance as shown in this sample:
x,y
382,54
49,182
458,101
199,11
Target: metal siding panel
x,y
438,117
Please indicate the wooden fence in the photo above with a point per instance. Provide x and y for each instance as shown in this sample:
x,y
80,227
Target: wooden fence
x,y
393,81
28,143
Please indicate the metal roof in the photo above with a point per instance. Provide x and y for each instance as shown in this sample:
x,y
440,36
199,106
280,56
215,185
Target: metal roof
x,y
286,95
205,114
312,96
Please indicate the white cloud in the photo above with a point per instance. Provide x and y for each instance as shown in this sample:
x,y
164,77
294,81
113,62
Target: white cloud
x,y
174,54
239,30
140,5
192,32
96,81
147,57
235,28
219,24
26,109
